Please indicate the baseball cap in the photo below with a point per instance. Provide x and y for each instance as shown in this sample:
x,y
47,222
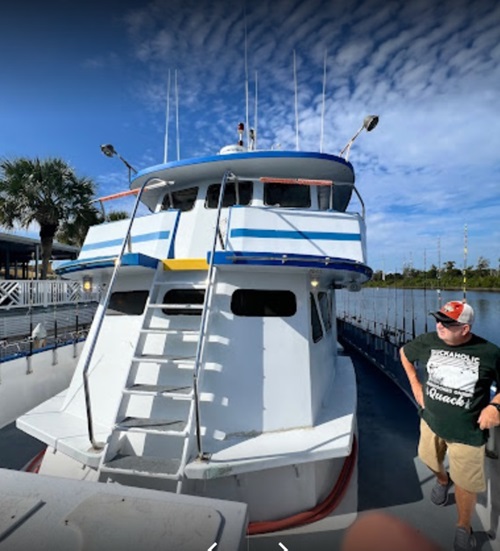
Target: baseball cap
x,y
455,311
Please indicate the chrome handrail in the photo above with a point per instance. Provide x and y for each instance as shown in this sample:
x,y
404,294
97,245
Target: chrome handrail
x,y
100,319
204,318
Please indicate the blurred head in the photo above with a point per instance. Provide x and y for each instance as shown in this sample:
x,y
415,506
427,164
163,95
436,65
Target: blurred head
x,y
453,322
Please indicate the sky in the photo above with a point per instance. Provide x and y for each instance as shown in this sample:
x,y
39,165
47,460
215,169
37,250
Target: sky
x,y
75,75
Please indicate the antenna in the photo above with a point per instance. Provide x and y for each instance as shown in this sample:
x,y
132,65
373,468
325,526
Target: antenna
x,y
323,106
177,117
167,117
465,263
255,113
296,102
246,81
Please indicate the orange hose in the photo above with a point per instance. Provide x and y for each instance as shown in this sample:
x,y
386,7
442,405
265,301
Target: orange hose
x,y
34,465
318,512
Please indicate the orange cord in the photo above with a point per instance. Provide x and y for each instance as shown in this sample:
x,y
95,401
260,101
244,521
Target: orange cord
x,y
34,465
318,512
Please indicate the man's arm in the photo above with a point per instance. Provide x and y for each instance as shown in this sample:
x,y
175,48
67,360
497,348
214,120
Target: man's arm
x,y
411,373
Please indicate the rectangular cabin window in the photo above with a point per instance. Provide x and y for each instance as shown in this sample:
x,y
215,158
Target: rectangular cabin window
x,y
317,330
258,303
182,199
235,193
185,302
287,195
326,309
127,303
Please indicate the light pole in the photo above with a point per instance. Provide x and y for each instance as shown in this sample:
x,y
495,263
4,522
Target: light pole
x,y
110,151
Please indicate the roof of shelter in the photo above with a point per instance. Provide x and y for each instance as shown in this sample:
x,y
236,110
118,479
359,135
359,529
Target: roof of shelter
x,y
22,248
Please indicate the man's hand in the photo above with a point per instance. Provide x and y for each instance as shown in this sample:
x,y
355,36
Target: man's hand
x,y
489,418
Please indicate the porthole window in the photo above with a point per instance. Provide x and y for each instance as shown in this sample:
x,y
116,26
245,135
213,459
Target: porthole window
x,y
287,195
235,193
259,303
185,302
182,199
127,303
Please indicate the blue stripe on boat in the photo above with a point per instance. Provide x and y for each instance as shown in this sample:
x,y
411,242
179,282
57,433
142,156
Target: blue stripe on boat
x,y
135,239
129,259
288,234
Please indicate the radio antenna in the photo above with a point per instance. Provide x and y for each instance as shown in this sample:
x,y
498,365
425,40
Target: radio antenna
x,y
177,117
246,80
323,106
255,112
167,117
296,102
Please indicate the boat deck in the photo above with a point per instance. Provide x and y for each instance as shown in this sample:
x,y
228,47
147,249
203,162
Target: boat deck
x,y
390,476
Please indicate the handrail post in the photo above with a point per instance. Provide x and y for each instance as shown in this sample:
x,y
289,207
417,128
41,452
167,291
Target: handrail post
x,y
100,320
204,318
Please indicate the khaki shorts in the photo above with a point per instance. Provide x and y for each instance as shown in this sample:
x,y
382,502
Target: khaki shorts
x,y
466,462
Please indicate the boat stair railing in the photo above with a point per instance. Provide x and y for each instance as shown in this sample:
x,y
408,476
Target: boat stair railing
x,y
159,414
101,311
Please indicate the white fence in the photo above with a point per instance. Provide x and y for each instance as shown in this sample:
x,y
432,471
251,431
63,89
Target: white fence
x,y
26,293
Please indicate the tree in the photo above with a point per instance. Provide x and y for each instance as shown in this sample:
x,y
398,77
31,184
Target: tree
x,y
47,192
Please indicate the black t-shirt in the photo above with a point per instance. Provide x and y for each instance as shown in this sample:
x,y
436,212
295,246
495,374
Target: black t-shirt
x,y
457,382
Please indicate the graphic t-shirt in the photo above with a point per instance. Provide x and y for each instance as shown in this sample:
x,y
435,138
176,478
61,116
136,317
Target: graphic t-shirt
x,y
457,382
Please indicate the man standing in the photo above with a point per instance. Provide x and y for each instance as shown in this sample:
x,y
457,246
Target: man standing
x,y
457,408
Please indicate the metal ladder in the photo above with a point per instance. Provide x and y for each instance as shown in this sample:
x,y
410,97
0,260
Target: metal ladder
x,y
159,413
152,434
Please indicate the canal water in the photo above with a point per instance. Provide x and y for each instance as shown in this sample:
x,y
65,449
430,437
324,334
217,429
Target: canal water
x,y
407,310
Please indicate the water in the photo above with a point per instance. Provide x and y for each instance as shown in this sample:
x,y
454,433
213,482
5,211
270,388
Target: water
x,y
408,309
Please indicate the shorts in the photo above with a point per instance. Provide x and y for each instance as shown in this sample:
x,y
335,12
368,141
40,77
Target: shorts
x,y
466,462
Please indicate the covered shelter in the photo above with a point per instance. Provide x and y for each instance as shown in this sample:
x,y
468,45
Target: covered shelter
x,y
20,256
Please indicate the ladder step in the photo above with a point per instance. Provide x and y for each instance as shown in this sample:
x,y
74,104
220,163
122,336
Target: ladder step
x,y
140,424
157,467
176,390
163,358
174,331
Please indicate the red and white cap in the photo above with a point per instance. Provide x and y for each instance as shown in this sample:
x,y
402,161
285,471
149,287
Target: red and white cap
x,y
456,311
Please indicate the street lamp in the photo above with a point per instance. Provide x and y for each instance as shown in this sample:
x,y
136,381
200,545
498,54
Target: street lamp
x,y
110,151
369,124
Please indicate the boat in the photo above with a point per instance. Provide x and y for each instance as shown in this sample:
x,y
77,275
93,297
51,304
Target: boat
x,y
212,381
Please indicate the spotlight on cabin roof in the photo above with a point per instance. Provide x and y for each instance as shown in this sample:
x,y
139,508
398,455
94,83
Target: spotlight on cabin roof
x,y
369,123
108,150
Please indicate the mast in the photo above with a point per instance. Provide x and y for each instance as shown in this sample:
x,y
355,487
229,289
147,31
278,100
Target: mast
x,y
177,118
296,102
323,106
167,117
465,264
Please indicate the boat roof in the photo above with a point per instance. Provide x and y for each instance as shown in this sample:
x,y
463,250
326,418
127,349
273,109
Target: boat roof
x,y
245,165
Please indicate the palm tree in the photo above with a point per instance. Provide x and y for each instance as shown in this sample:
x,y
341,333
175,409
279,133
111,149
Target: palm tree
x,y
47,192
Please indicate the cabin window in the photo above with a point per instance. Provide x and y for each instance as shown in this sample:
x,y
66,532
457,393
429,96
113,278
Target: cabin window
x,y
127,303
258,303
235,193
182,199
317,330
326,310
185,302
287,195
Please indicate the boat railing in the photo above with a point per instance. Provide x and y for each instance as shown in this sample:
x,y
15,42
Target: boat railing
x,y
205,315
101,312
28,293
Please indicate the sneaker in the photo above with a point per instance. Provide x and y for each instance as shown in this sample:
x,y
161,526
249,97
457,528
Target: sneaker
x,y
439,494
463,539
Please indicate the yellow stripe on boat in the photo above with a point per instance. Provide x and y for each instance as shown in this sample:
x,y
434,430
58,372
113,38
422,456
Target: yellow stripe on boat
x,y
185,264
